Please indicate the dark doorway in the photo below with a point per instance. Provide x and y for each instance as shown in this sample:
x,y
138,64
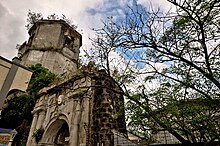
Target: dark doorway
x,y
62,138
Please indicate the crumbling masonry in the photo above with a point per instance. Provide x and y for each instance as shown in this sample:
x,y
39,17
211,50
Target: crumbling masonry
x,y
84,109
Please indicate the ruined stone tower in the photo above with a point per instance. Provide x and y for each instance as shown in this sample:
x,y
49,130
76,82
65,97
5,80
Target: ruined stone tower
x,y
87,109
54,44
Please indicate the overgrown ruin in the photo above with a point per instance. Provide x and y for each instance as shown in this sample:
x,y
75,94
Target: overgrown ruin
x,y
86,108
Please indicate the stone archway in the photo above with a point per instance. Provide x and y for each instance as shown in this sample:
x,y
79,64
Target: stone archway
x,y
57,134
62,137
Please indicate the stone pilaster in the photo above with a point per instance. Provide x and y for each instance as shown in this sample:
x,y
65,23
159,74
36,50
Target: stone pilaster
x,y
33,128
75,127
40,119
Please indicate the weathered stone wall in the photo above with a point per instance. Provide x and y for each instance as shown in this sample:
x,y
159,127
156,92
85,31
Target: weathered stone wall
x,y
54,44
67,103
53,34
47,36
107,111
54,61
91,105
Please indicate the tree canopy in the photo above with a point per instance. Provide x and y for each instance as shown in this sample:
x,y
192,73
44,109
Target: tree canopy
x,y
169,67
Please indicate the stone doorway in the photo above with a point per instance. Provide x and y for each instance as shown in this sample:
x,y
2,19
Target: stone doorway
x,y
57,134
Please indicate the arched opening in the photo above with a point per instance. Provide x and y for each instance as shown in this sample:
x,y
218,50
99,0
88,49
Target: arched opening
x,y
57,134
62,138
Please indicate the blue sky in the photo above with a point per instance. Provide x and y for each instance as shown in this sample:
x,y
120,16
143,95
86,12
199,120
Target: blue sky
x,y
86,14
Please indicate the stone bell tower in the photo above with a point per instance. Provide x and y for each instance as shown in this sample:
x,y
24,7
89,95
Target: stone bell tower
x,y
54,44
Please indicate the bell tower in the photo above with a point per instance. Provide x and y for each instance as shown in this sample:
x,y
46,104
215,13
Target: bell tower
x,y
54,44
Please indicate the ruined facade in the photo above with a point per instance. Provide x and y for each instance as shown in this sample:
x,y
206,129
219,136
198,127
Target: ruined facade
x,y
85,109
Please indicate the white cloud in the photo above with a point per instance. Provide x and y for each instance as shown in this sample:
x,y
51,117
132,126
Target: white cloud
x,y
9,28
164,5
86,14
13,17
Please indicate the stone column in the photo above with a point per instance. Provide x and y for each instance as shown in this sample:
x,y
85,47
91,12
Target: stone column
x,y
40,119
33,128
75,129
86,117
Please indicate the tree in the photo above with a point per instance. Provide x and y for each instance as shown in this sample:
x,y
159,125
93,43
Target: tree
x,y
33,17
177,52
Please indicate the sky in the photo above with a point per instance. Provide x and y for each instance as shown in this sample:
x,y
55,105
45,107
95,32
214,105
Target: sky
x,y
86,14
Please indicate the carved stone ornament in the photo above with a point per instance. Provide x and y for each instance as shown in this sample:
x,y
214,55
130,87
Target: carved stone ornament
x,y
60,99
